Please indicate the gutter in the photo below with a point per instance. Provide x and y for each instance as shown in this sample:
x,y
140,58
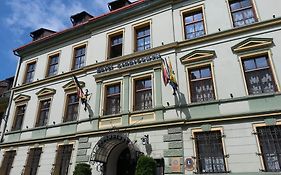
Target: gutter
x,y
7,113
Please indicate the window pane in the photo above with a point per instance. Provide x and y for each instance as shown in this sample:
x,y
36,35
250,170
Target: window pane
x,y
205,72
188,19
79,59
242,12
201,85
198,17
143,94
72,108
63,158
195,74
7,162
261,62
235,6
249,64
209,152
112,100
270,144
246,3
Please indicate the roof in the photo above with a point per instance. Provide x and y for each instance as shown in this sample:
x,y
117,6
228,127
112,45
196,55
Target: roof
x,y
44,39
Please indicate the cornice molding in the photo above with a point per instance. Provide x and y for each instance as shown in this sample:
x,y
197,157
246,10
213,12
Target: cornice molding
x,y
46,92
252,44
21,98
198,55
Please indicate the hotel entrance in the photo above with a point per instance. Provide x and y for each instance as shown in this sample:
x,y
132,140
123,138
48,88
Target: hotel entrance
x,y
116,155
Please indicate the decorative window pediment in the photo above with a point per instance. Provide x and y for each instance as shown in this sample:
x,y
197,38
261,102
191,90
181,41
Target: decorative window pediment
x,y
46,92
252,44
21,98
198,55
71,85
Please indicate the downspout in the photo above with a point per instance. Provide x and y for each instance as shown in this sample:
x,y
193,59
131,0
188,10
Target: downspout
x,y
6,116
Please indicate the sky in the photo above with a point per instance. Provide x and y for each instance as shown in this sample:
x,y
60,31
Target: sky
x,y
20,17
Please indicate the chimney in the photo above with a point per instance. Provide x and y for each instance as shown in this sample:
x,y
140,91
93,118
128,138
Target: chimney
x,y
118,4
40,33
80,18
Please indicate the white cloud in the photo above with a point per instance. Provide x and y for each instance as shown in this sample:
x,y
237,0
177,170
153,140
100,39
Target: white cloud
x,y
51,14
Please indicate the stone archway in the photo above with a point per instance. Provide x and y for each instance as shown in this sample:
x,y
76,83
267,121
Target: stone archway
x,y
117,154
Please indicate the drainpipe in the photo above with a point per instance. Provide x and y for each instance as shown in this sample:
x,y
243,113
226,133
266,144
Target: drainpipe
x,y
6,116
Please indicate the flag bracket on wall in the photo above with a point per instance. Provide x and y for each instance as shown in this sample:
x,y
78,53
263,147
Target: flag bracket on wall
x,y
81,95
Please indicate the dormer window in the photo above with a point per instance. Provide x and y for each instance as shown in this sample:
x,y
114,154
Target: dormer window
x,y
80,18
41,33
114,5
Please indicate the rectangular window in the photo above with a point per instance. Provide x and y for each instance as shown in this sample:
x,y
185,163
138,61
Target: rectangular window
x,y
32,163
270,145
7,162
143,94
142,38
79,57
209,152
242,12
18,120
201,84
30,70
258,75
43,114
72,103
53,65
112,99
116,44
194,24
63,159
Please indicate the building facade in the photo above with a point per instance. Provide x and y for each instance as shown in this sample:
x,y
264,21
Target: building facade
x,y
5,93
224,116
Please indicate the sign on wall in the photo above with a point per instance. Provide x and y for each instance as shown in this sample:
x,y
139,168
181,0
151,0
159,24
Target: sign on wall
x,y
175,164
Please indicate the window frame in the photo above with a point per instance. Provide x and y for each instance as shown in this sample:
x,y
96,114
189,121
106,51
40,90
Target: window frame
x,y
184,12
11,166
50,56
255,126
198,66
197,130
27,72
138,78
66,107
109,45
104,97
74,49
70,159
15,116
140,26
50,99
271,67
254,11
27,159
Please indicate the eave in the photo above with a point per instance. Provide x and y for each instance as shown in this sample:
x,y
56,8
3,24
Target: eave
x,y
113,17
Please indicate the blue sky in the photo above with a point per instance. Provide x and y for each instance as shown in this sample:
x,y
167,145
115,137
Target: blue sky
x,y
20,17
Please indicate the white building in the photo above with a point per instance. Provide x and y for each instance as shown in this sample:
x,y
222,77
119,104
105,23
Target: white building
x,y
224,117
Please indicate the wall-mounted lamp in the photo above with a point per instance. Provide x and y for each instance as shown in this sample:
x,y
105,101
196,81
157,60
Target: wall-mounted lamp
x,y
145,140
54,122
26,127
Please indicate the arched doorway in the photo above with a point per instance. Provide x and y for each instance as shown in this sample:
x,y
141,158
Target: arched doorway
x,y
117,154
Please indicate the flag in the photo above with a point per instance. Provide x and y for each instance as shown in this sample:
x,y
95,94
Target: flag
x,y
80,92
172,75
172,78
165,73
